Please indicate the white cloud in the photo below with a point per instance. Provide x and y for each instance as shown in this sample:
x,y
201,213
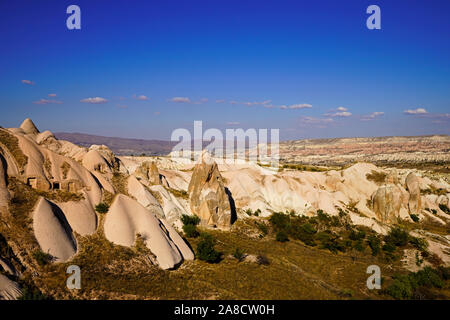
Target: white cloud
x,y
52,94
233,123
29,82
300,106
141,97
47,101
180,100
315,121
342,114
96,100
372,116
415,111
157,113
220,101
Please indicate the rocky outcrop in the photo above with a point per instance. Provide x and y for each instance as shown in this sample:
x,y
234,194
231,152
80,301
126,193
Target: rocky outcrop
x,y
9,290
52,231
386,203
28,127
4,194
413,187
127,218
208,197
148,171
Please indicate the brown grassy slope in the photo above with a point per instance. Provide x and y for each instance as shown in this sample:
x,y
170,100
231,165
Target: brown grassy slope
x,y
295,272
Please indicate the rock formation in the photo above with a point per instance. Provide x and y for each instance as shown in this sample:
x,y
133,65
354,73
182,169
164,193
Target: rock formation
x,y
413,186
52,231
4,194
127,218
386,203
9,290
148,171
28,127
208,197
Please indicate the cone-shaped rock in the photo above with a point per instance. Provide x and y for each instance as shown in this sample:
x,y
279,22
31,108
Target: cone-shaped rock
x,y
386,202
28,127
208,198
413,186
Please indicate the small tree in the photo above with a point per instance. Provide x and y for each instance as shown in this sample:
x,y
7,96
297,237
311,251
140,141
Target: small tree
x,y
193,220
206,251
282,236
102,208
190,231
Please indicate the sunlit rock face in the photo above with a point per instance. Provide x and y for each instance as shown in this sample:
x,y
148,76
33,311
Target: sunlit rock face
x,y
208,197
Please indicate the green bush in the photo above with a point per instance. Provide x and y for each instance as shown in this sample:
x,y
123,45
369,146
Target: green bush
x,y
374,244
280,221
192,220
360,235
190,231
411,285
262,227
397,237
42,258
305,233
282,236
205,249
102,208
420,243
414,217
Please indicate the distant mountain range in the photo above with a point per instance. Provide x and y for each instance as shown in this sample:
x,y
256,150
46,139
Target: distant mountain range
x,y
120,146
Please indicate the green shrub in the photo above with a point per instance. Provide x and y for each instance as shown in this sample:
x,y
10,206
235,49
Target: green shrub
x,y
374,244
102,208
411,285
42,258
280,221
397,237
419,243
262,227
414,217
360,235
192,220
305,233
190,231
257,212
282,236
205,249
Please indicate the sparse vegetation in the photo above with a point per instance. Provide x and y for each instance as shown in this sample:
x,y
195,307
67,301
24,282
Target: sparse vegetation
x,y
303,167
239,254
190,225
414,217
12,144
205,249
42,258
65,167
418,285
179,193
433,190
102,208
376,176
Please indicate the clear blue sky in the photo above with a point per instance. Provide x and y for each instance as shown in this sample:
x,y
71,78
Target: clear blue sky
x,y
310,68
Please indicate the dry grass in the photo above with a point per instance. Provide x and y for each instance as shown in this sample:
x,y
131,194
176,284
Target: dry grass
x,y
12,144
65,167
376,176
295,271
